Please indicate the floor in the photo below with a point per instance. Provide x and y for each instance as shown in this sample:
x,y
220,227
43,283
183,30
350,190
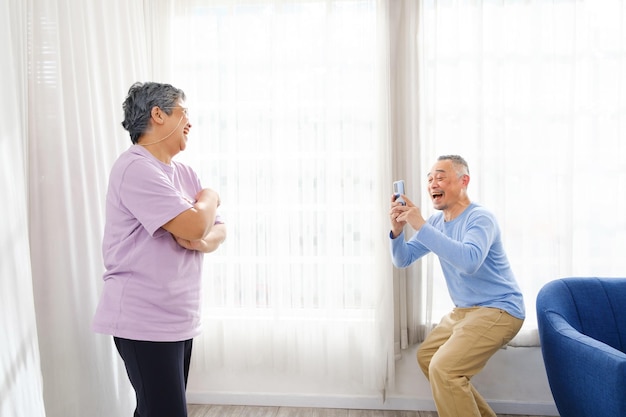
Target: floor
x,y
198,410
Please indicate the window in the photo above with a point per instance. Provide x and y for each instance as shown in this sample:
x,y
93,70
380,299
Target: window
x,y
532,94
284,107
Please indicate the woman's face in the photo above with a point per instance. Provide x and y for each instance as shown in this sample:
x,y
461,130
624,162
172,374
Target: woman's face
x,y
178,124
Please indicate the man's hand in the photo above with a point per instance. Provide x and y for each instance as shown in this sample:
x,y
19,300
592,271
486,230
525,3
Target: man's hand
x,y
396,225
403,214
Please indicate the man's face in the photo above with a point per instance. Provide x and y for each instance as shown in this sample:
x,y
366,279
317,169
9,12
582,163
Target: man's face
x,y
444,185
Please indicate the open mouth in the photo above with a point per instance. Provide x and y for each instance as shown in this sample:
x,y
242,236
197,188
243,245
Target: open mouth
x,y
436,196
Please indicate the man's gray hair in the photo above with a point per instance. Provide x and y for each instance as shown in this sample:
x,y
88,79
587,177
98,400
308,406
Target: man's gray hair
x,y
460,164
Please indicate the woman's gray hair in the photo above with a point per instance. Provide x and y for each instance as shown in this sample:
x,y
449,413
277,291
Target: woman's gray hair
x,y
141,98
459,163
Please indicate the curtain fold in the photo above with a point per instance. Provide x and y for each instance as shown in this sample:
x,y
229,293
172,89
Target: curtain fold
x,y
83,56
21,385
412,286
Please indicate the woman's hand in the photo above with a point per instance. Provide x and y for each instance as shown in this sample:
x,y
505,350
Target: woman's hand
x,y
209,243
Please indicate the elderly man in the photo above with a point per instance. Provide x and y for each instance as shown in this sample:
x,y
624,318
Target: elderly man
x,y
489,308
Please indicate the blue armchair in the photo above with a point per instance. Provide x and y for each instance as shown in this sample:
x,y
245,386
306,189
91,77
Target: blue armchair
x,y
582,329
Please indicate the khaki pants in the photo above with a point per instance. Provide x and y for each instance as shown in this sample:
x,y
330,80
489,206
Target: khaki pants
x,y
459,348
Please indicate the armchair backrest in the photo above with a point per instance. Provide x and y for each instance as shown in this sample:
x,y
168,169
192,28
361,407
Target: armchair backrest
x,y
595,307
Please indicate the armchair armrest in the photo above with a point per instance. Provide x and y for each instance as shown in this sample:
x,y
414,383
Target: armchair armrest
x,y
587,377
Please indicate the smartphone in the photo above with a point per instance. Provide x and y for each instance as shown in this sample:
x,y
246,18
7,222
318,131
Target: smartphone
x,y
398,190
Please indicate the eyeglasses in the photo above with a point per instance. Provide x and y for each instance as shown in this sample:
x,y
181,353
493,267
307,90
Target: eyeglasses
x,y
184,109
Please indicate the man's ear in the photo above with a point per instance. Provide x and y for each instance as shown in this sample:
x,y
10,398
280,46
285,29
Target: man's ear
x,y
465,179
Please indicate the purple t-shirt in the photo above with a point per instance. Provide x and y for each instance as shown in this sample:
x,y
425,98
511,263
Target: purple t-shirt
x,y
151,284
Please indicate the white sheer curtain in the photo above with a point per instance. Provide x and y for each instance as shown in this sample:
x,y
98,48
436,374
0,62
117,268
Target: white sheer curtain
x,y
412,287
533,94
83,56
290,114
295,125
21,386
304,181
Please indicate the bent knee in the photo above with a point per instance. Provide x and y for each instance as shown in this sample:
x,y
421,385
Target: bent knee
x,y
443,367
423,360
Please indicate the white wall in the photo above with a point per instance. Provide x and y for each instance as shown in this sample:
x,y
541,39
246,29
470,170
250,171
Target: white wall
x,y
513,382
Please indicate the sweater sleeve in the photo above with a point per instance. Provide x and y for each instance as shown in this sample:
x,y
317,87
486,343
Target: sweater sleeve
x,y
404,253
469,245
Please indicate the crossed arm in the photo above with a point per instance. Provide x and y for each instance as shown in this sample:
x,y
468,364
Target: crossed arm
x,y
209,243
195,228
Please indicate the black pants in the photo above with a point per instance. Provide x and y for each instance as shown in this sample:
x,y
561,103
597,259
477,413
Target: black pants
x,y
158,372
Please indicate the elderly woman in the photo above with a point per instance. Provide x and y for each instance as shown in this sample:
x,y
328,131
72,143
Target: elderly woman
x,y
159,223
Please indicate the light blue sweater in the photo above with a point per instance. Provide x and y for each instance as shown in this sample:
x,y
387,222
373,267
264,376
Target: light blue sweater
x,y
472,257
